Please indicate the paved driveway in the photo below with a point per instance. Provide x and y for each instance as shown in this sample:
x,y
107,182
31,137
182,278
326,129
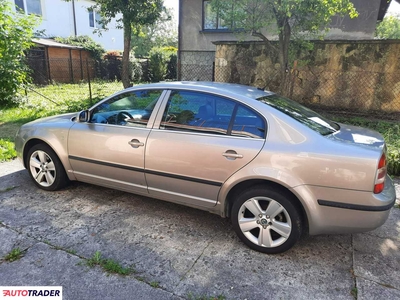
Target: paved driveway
x,y
177,252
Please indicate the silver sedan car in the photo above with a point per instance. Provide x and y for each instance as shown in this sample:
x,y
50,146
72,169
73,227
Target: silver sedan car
x,y
274,167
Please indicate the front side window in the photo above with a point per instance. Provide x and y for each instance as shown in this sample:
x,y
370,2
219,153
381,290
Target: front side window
x,y
207,113
301,114
127,109
29,6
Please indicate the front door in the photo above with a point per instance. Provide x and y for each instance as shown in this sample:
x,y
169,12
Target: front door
x,y
109,150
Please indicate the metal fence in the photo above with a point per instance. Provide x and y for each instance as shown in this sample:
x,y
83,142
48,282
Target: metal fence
x,y
339,93
196,72
375,95
91,79
350,93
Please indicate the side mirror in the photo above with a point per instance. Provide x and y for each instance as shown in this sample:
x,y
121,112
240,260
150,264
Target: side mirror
x,y
84,116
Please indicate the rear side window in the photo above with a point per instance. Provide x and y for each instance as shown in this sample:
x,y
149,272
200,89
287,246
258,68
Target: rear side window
x,y
212,114
248,123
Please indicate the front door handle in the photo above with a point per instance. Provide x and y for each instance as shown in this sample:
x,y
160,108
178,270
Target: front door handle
x,y
135,143
232,154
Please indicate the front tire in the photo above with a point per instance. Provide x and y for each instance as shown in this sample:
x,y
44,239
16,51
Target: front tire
x,y
266,220
45,168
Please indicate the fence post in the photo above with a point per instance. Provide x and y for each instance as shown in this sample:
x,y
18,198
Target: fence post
x,y
90,86
71,68
293,79
213,72
80,60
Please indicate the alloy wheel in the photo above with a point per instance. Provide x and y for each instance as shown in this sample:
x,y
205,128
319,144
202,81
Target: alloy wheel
x,y
264,222
42,168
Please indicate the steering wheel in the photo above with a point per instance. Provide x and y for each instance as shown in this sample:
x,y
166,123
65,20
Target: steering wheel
x,y
122,117
170,117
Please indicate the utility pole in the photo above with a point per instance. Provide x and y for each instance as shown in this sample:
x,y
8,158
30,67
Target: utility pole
x,y
74,17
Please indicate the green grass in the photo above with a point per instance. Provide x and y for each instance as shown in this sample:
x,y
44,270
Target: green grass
x,y
71,251
13,255
10,188
155,284
354,292
108,265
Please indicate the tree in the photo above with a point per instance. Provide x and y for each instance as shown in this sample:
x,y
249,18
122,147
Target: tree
x,y
16,32
134,13
288,19
389,28
162,33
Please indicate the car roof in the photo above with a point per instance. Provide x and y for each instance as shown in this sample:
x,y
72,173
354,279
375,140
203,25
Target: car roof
x,y
216,87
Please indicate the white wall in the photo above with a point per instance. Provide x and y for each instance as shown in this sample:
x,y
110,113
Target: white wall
x,y
57,20
111,39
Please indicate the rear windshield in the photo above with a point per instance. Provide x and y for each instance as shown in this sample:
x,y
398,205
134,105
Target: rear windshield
x,y
300,113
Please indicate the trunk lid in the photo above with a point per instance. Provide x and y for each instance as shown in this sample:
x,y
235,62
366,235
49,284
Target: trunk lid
x,y
358,136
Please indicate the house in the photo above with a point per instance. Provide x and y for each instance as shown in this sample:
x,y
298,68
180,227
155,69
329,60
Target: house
x,y
199,27
72,18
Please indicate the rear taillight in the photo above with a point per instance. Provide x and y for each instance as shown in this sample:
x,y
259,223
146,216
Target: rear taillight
x,y
380,175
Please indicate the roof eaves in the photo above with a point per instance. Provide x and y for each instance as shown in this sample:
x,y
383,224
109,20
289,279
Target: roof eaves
x,y
53,43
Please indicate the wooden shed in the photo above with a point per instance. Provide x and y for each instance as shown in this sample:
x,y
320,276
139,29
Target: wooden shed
x,y
51,61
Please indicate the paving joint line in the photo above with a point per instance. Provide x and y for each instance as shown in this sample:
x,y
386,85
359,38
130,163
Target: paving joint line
x,y
377,236
353,273
379,283
194,263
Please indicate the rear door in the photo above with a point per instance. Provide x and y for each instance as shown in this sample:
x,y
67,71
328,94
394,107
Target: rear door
x,y
201,141
109,150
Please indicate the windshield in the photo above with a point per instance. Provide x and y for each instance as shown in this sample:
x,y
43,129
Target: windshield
x,y
300,113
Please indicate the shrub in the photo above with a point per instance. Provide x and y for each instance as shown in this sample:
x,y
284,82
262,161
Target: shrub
x,y
392,138
172,72
112,66
135,67
157,66
86,42
16,32
7,151
161,63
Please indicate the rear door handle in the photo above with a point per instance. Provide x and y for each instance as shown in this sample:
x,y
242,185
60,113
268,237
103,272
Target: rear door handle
x,y
231,154
135,143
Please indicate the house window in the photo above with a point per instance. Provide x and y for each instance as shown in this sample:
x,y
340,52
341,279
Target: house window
x,y
211,18
95,19
29,6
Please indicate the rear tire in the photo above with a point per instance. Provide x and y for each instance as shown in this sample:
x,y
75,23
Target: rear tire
x,y
266,220
45,168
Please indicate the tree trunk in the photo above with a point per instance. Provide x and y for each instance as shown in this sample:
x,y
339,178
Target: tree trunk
x,y
125,76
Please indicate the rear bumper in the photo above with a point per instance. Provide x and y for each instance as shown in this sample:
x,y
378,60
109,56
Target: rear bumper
x,y
332,210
